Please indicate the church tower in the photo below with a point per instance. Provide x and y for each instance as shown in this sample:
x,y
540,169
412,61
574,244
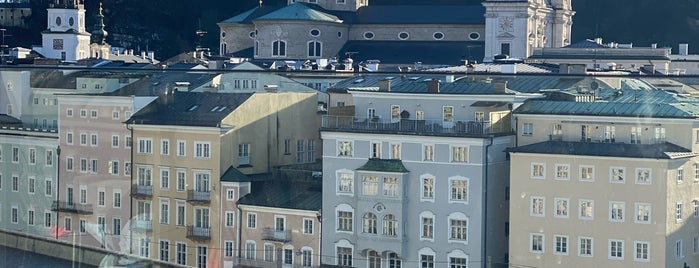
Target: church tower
x,y
65,37
516,27
99,48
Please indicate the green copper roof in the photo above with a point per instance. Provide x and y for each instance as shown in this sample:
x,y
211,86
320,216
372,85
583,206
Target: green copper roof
x,y
298,11
384,165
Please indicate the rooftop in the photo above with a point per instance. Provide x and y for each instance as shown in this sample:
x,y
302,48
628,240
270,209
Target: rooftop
x,y
384,165
655,151
189,109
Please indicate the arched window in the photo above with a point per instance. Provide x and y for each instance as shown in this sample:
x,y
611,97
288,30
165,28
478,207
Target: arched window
x,y
223,49
390,225
393,260
374,259
369,223
279,48
315,49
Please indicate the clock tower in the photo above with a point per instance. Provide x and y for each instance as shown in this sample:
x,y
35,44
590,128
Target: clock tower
x,y
65,37
515,27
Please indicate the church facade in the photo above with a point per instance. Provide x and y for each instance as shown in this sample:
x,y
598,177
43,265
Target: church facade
x,y
433,34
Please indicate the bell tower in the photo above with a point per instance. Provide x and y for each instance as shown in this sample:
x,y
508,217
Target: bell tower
x,y
65,37
515,27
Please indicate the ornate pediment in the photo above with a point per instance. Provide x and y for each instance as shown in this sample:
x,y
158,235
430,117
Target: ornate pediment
x,y
505,36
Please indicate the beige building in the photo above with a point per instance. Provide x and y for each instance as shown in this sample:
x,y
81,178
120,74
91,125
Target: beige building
x,y
183,145
605,180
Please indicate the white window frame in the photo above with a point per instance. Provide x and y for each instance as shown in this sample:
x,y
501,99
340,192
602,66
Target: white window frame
x,y
251,220
636,248
460,217
348,146
612,213
532,236
343,189
144,146
609,251
533,170
181,148
428,152
637,206
202,149
638,176
531,206
566,212
164,147
580,209
527,129
557,174
612,175
463,200
427,196
308,226
565,245
580,246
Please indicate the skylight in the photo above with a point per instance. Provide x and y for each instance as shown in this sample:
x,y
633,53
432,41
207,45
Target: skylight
x,y
194,107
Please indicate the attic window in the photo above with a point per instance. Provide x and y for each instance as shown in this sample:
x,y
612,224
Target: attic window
x,y
214,109
194,107
414,78
221,109
389,77
358,80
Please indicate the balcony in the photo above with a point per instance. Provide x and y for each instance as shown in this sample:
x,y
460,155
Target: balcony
x,y
198,233
194,196
272,234
415,127
142,191
142,225
71,207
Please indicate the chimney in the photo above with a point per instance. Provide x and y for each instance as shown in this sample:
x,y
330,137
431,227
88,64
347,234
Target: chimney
x,y
384,85
449,78
143,55
151,55
598,40
433,86
499,85
654,45
684,49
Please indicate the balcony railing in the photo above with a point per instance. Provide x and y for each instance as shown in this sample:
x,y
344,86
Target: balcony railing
x,y
408,126
198,196
71,207
142,190
142,225
198,233
272,234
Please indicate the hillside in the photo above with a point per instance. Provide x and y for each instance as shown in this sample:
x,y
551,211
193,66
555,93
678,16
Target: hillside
x,y
168,28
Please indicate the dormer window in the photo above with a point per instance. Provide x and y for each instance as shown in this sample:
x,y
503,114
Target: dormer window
x,y
194,107
58,21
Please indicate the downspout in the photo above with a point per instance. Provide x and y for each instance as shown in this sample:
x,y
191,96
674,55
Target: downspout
x,y
240,227
58,186
484,224
130,188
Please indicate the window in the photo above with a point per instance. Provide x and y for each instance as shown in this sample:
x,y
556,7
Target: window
x,y
127,168
48,189
300,151
32,156
374,259
115,115
164,211
47,219
164,178
636,135
616,211
145,146
287,146
181,252
616,174
278,48
448,115
609,133
370,185
164,250
459,190
616,249
114,167
30,217
180,214
15,155
69,111
395,151
69,138
115,141
14,217
306,257
83,194
144,176
369,223
344,256
368,35
81,226
181,148
390,187
427,189
83,113
311,151
586,208
505,48
585,133
538,170
376,150
642,212
230,194
252,220
427,230
642,250
307,226
101,197
561,210
117,199
537,243
244,154
459,154
537,206
93,165
93,139
164,146
269,252
203,150
250,250
678,211
344,221
428,152
458,228
83,139
344,148
426,261
390,225
15,183
181,178
659,134
228,249
31,185
68,224
680,175
127,141
315,49
527,129
230,219
562,171
345,183
585,246
560,245
643,176
696,208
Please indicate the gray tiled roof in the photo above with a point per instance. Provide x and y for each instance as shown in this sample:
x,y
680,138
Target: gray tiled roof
x,y
248,16
422,14
282,194
384,165
299,11
587,43
416,83
655,151
189,109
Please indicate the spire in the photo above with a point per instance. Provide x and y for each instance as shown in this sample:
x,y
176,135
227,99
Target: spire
x,y
260,2
200,38
100,34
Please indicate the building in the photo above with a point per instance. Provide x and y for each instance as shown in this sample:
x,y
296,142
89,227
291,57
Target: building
x,y
14,13
415,174
183,145
95,177
65,37
438,34
605,178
